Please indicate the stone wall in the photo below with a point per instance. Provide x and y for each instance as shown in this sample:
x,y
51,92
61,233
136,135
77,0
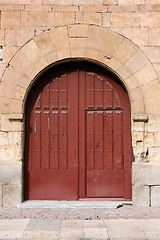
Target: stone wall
x,y
122,35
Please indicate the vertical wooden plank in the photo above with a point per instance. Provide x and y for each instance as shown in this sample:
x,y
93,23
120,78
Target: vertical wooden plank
x,y
90,91
54,94
90,140
117,140
73,121
45,97
36,139
54,140
82,134
45,125
62,139
116,100
98,92
108,141
108,95
98,121
63,92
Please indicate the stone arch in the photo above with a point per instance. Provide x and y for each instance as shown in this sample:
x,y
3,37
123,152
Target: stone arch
x,y
89,42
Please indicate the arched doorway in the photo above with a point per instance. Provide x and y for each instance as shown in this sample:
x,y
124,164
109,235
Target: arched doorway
x,y
78,135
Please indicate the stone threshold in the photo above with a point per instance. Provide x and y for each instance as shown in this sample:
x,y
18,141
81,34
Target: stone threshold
x,y
72,204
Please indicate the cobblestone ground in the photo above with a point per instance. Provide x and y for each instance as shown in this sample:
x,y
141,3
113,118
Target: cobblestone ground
x,y
84,214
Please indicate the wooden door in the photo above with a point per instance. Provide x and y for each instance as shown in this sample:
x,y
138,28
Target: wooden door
x,y
77,137
52,139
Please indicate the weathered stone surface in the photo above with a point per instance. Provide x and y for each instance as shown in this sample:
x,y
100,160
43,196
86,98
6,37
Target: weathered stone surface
x,y
155,196
11,173
12,195
140,196
78,31
1,197
137,61
145,174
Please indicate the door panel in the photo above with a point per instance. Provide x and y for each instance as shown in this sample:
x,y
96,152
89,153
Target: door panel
x,y
78,141
52,140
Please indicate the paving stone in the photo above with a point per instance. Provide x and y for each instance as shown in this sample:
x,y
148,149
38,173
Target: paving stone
x,y
97,233
40,235
13,225
67,233
71,224
43,225
93,223
10,234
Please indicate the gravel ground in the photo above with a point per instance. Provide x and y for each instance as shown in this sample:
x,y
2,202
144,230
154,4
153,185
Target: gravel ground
x,y
88,214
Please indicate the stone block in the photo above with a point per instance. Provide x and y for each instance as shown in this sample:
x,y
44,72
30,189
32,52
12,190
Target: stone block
x,y
11,122
50,19
141,196
79,17
12,152
1,197
124,72
30,53
11,173
77,46
93,18
76,31
24,81
151,89
150,19
121,20
16,106
111,44
51,57
153,40
137,61
37,8
91,53
110,2
5,104
125,51
151,104
11,75
132,82
2,36
91,8
125,2
62,18
137,101
10,19
138,36
106,20
145,174
146,74
44,43
135,20
59,37
37,19
114,64
24,19
14,37
155,196
87,2
153,53
96,37
65,8
59,2
12,195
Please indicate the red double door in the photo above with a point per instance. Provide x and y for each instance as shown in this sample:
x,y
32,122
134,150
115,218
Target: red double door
x,y
78,140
